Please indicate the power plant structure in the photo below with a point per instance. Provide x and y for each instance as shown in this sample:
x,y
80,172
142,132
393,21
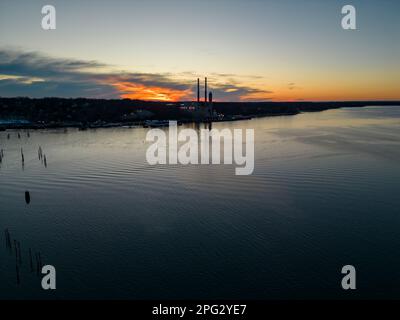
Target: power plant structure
x,y
204,110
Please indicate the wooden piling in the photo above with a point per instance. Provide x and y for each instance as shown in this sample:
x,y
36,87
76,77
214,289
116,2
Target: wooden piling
x,y
27,197
40,262
37,264
8,239
15,247
30,259
19,253
17,270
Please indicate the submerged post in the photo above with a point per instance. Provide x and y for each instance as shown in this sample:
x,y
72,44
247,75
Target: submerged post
x,y
19,253
37,264
8,239
40,261
17,270
30,259
27,197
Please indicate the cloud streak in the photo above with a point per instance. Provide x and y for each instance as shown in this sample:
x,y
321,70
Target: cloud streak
x,y
36,75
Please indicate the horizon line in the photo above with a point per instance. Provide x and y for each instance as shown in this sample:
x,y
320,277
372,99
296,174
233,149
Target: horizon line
x,y
187,101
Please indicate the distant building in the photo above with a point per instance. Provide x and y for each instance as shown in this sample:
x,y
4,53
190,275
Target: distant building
x,y
201,111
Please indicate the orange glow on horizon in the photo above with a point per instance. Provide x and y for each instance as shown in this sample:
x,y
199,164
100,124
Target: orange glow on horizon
x,y
136,91
338,91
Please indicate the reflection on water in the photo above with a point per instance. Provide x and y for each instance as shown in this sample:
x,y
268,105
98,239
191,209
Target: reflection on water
x,y
324,194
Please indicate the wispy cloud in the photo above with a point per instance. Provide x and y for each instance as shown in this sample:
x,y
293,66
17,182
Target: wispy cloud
x,y
37,75
292,86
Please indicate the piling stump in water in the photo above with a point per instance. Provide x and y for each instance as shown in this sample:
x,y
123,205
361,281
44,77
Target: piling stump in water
x,y
27,197
30,259
15,248
19,253
37,264
40,262
17,270
7,238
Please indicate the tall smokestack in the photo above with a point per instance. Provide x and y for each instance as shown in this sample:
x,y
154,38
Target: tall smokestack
x,y
205,91
198,90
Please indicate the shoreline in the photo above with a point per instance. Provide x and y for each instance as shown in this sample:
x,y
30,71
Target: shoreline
x,y
23,124
141,124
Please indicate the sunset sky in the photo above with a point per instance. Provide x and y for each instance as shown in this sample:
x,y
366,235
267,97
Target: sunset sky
x,y
252,50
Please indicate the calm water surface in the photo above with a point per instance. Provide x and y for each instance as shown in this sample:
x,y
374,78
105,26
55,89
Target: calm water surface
x,y
324,193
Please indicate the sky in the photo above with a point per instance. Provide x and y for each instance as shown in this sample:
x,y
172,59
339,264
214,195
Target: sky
x,y
253,50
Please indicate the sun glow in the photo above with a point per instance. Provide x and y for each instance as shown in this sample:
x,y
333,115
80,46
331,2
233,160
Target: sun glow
x,y
131,90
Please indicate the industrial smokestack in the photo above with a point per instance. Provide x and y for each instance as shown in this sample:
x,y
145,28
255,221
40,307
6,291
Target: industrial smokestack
x,y
205,91
198,90
210,97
